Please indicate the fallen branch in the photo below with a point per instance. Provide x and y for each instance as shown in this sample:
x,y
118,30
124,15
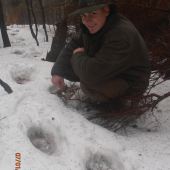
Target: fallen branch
x,y
3,118
6,87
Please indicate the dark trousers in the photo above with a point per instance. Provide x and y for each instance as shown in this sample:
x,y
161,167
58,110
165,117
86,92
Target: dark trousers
x,y
103,92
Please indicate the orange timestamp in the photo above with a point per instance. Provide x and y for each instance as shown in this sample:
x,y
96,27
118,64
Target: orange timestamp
x,y
18,161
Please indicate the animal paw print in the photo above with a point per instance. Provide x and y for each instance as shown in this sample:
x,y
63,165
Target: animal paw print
x,y
48,138
22,73
42,140
101,161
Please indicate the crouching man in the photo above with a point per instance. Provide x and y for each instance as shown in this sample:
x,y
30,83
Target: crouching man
x,y
106,56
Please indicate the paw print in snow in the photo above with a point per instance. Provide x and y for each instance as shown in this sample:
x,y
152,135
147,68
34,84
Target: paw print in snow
x,y
18,51
104,161
44,141
48,139
22,73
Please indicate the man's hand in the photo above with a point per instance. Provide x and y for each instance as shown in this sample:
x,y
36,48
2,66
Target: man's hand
x,y
58,81
78,49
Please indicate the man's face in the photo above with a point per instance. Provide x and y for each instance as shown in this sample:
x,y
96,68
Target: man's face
x,y
95,20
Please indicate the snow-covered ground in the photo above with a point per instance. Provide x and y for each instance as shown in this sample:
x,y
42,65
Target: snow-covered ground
x,y
38,132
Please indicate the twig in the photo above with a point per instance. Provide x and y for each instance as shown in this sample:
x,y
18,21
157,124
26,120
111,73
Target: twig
x,y
6,87
3,118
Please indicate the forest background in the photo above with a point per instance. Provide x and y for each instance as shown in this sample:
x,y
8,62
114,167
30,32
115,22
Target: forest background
x,y
152,18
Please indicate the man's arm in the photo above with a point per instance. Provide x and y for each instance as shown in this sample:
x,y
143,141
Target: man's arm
x,y
112,59
62,66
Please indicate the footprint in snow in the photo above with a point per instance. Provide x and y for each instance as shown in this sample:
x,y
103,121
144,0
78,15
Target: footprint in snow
x,y
47,139
104,161
18,51
21,38
35,51
44,141
22,73
13,33
16,30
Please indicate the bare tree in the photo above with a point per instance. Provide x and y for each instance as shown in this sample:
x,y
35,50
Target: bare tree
x,y
3,28
30,6
42,9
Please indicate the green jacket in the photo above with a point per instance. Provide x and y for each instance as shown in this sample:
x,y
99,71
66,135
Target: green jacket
x,y
117,50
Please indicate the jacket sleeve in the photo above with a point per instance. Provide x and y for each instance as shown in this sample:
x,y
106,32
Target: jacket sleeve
x,y
62,66
111,60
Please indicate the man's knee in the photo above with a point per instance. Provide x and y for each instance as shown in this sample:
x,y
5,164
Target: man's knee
x,y
115,88
102,92
93,94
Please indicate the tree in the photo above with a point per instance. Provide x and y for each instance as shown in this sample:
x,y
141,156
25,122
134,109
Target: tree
x,y
43,16
3,28
30,7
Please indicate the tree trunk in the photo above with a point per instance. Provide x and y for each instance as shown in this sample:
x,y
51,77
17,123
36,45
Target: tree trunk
x,y
59,41
3,29
35,21
29,19
43,20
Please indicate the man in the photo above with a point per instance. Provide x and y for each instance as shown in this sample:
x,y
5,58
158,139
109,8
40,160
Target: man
x,y
106,56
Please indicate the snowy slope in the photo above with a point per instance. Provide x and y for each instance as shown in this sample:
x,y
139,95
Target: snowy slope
x,y
64,139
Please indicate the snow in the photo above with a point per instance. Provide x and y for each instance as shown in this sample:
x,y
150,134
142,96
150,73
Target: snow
x,y
49,135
